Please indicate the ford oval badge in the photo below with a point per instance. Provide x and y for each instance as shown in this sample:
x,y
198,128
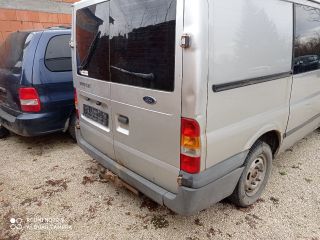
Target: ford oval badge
x,y
150,100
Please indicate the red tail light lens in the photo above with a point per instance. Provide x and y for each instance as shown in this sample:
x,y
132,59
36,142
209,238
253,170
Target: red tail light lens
x,y
190,164
76,102
190,146
190,127
29,100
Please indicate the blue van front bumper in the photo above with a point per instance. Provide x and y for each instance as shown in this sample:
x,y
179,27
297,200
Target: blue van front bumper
x,y
34,124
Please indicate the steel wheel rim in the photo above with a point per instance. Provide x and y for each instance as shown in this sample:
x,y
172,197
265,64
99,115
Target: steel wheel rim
x,y
255,175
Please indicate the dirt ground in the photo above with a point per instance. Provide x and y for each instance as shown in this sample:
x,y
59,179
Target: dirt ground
x,y
50,189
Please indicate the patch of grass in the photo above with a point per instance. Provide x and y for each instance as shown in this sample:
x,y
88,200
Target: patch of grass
x,y
261,200
58,183
149,204
275,200
296,167
308,180
192,238
159,222
213,232
251,222
198,222
283,173
87,180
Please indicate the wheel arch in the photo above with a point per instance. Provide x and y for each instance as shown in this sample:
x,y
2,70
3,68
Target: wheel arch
x,y
270,135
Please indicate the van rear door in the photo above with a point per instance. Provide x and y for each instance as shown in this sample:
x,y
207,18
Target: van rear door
x,y
145,67
12,52
130,61
92,77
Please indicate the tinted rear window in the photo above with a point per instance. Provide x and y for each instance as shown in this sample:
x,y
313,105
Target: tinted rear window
x,y
93,41
58,54
128,42
12,51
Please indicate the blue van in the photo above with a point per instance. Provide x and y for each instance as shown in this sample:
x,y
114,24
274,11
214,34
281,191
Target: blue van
x,y
36,89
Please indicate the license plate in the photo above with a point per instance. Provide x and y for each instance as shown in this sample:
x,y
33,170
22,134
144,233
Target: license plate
x,y
96,115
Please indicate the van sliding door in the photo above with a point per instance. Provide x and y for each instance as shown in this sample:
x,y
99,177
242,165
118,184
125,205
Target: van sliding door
x,y
305,100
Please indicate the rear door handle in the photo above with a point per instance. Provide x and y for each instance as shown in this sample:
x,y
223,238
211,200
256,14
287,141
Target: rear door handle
x,y
123,119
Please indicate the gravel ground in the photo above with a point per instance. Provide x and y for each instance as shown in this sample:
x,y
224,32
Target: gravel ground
x,y
50,185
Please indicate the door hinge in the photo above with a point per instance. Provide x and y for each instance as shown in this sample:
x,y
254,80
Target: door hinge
x,y
71,44
179,180
185,41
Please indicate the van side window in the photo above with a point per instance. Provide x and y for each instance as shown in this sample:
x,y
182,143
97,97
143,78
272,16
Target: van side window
x,y
58,54
307,39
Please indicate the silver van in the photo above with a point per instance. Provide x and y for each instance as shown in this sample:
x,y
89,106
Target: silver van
x,y
189,101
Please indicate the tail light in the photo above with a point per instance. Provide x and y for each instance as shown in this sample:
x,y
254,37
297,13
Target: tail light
x,y
29,100
190,146
76,102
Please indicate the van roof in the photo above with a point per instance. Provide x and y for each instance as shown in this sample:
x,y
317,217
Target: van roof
x,y
317,2
66,29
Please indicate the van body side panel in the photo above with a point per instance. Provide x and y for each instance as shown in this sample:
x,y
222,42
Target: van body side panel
x,y
249,40
195,68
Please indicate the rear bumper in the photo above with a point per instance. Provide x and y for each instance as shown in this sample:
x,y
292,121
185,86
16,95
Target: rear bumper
x,y
187,201
34,124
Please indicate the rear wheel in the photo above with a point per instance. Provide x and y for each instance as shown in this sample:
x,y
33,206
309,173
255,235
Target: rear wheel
x,y
3,132
255,175
72,126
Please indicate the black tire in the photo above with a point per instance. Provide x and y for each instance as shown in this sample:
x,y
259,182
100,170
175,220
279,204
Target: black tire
x,y
72,127
3,132
258,165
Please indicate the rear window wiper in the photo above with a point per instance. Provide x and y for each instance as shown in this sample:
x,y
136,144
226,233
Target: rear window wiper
x,y
147,76
91,51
